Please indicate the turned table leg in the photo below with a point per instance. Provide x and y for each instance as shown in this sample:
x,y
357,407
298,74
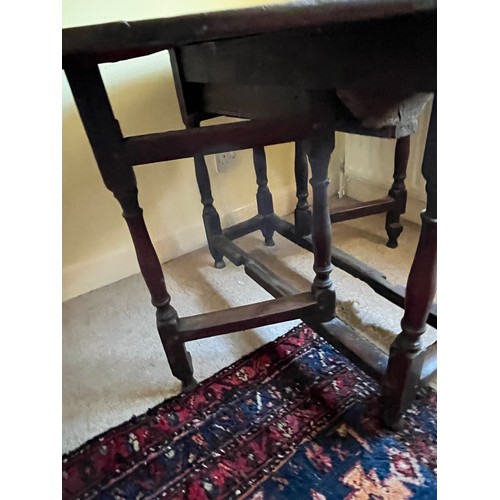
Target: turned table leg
x,y
319,149
302,211
393,225
264,197
166,316
211,219
107,144
406,356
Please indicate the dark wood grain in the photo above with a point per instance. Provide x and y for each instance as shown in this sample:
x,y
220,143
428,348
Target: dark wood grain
x,y
107,144
178,357
348,263
102,129
183,98
264,197
246,227
211,219
244,317
398,192
408,45
122,40
146,255
259,102
260,273
192,117
302,214
268,280
407,355
188,94
106,139
361,209
231,251
347,340
163,146
319,149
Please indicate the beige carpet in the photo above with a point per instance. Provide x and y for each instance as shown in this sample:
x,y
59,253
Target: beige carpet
x,y
113,363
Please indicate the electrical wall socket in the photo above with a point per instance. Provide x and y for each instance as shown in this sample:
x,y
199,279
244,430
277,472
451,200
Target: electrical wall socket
x,y
225,161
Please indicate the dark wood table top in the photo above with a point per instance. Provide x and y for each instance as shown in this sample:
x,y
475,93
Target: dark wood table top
x,y
287,62
122,40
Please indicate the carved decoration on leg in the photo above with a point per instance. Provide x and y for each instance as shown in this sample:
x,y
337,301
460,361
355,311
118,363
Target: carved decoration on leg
x,y
146,255
398,191
406,357
211,219
106,139
319,149
178,358
302,214
264,196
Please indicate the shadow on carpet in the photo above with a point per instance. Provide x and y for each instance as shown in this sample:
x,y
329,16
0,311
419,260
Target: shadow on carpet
x,y
293,420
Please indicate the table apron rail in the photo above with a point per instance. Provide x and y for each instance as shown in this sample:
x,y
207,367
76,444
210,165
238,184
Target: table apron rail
x,y
151,148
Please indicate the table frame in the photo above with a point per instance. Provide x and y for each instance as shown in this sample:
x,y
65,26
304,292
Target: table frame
x,y
210,42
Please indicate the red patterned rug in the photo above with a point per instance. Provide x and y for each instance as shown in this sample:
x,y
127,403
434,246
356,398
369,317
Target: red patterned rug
x,y
293,420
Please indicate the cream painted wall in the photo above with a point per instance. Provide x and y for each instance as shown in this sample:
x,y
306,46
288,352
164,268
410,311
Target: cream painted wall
x,y
97,249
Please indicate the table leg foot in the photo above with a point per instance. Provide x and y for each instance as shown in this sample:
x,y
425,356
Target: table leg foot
x,y
267,227
407,356
319,149
189,385
402,378
188,382
211,219
393,230
180,363
393,421
178,357
302,214
264,197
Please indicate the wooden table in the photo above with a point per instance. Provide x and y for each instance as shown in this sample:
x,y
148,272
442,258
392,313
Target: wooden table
x,y
279,68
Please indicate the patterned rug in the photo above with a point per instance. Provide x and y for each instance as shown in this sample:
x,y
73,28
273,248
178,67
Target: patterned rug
x,y
293,420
